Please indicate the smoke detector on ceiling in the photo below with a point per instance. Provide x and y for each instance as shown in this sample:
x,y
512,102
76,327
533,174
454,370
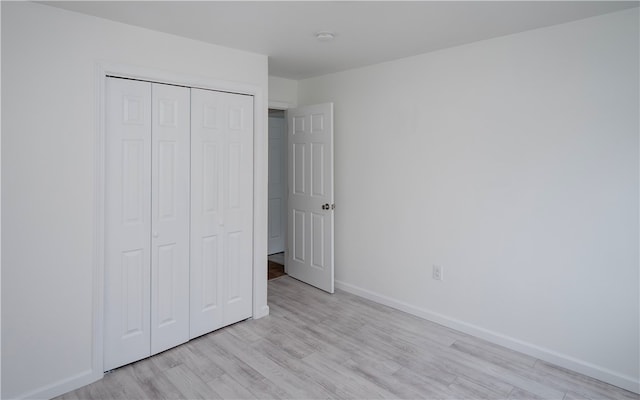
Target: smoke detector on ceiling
x,y
325,36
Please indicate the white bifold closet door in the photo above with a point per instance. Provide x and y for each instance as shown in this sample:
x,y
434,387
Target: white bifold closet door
x,y
147,219
221,209
179,216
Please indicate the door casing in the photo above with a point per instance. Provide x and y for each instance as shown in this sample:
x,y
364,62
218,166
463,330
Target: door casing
x,y
277,245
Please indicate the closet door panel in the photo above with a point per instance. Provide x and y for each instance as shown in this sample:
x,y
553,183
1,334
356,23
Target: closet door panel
x,y
127,222
221,209
207,218
170,154
237,177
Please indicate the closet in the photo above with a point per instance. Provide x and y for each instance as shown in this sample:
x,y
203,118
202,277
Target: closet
x,y
178,215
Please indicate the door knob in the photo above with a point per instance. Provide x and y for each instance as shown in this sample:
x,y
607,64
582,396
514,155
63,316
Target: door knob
x,y
326,206
155,234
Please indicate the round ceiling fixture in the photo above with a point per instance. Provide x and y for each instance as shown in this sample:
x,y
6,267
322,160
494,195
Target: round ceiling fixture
x,y
325,36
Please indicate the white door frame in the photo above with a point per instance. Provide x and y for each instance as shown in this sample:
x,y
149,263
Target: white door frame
x,y
283,183
283,106
260,184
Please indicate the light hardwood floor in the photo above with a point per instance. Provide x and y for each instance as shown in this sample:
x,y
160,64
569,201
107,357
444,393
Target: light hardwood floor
x,y
314,345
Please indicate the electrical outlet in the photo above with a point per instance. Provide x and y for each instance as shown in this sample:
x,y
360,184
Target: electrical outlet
x,y
437,272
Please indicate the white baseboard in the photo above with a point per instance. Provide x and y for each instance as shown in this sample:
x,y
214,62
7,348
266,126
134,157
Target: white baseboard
x,y
562,360
264,311
63,386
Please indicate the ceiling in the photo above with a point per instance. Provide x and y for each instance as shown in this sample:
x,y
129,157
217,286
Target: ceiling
x,y
366,32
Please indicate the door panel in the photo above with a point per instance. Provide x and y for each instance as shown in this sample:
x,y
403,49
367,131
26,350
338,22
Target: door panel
x,y
170,216
277,185
317,237
207,221
299,170
167,270
237,178
133,291
234,246
298,236
233,178
133,185
317,170
310,200
127,222
221,209
210,274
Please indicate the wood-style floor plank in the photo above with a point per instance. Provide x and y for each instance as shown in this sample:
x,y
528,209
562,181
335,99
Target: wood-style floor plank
x,y
229,388
189,384
153,381
319,346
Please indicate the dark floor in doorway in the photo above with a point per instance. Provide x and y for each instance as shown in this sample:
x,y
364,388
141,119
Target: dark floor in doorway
x,y
275,270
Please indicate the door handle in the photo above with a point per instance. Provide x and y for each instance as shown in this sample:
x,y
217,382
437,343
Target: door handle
x,y
327,206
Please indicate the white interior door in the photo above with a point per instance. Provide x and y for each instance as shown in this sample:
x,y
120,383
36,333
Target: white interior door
x,y
310,201
277,184
170,151
127,222
221,209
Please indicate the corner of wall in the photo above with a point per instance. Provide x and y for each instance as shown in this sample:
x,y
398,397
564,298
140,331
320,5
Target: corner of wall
x,y
283,93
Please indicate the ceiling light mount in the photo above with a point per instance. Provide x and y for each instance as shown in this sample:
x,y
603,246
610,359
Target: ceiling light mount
x,y
325,36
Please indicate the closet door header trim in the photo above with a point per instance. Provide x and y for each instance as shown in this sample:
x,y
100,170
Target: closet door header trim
x,y
175,84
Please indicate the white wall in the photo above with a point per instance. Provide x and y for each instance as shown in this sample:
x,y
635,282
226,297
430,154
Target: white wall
x,y
0,214
49,124
283,93
513,163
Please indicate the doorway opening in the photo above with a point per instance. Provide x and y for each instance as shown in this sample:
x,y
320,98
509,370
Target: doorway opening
x,y
277,207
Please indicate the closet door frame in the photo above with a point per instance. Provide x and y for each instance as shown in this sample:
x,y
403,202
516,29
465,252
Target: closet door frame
x,y
260,154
